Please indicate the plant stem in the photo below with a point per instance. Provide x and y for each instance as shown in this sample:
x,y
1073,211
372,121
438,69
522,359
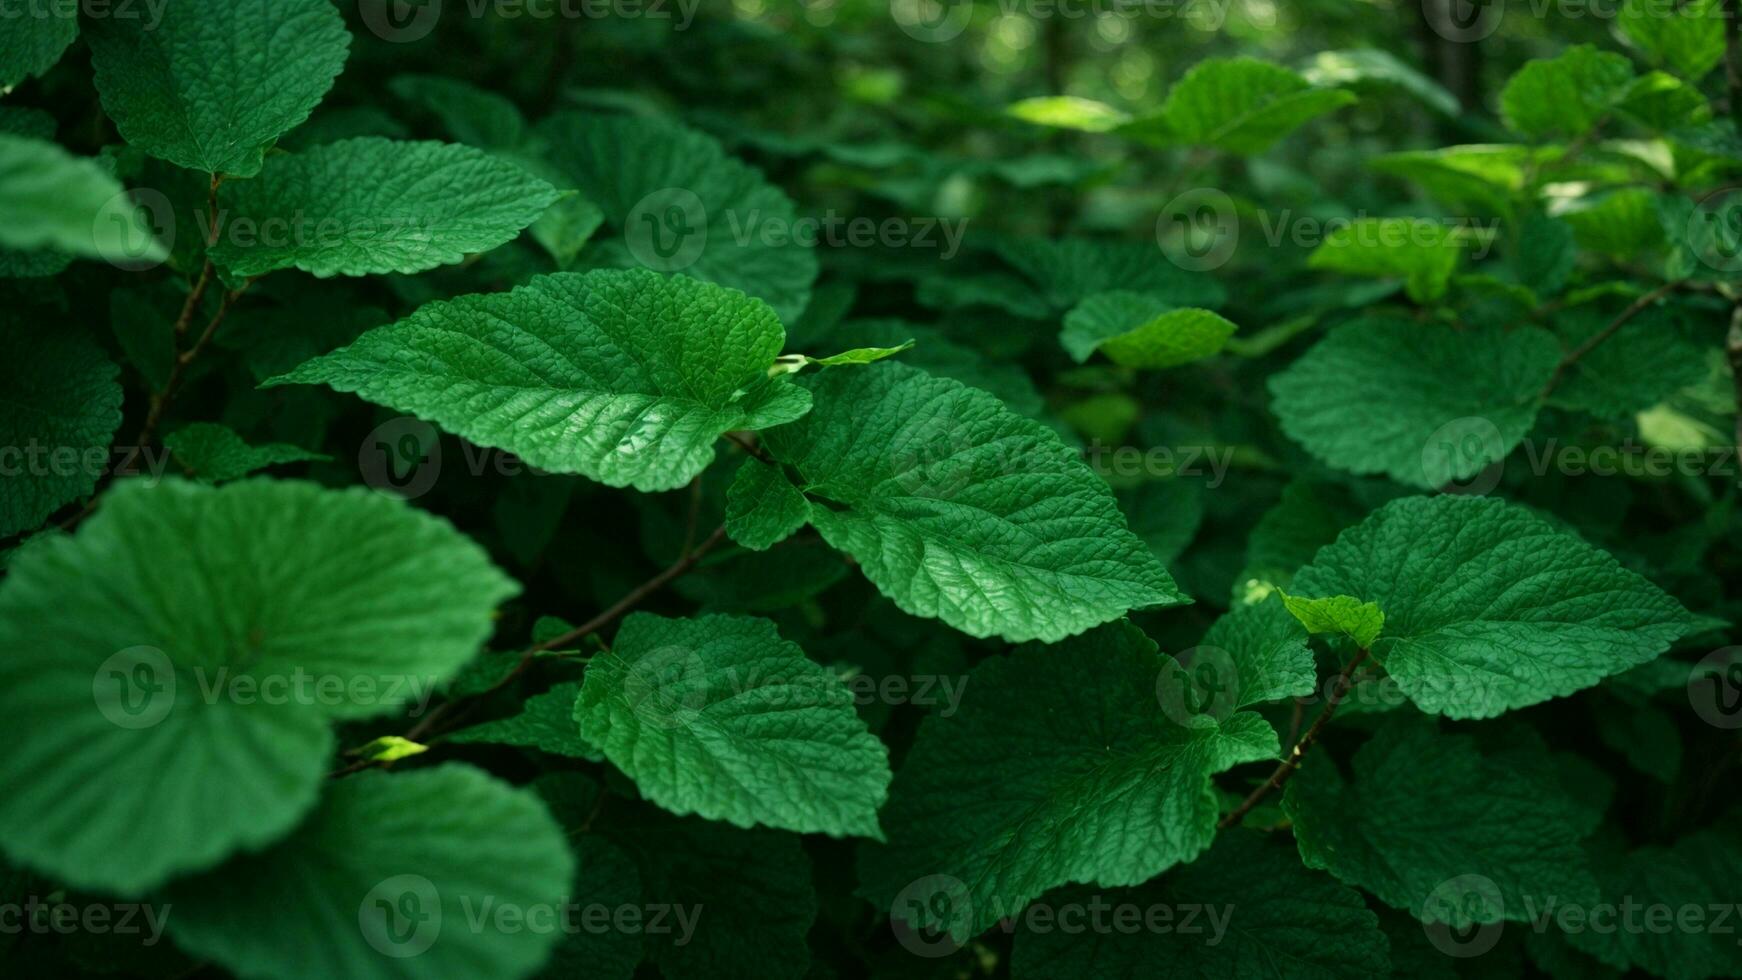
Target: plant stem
x,y
1288,766
1591,343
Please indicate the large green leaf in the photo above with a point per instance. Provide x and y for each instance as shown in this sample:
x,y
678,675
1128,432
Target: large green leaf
x,y
214,83
1424,405
719,716
1138,331
627,377
172,668
1688,37
959,509
1247,910
1566,95
36,35
439,872
1422,253
685,206
50,199
1060,767
370,206
1488,607
1427,823
62,406
1241,105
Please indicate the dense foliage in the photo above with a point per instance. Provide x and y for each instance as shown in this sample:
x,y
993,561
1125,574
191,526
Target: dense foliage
x,y
918,488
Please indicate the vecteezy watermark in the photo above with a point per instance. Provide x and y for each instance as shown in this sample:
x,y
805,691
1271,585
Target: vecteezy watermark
x,y
1715,688
148,11
404,916
1199,230
404,21
35,459
1131,462
1465,916
1469,21
1713,230
669,229
139,686
1201,682
47,917
933,915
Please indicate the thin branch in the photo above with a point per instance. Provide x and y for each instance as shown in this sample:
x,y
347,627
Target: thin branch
x,y
1288,766
745,443
1591,343
161,401
618,609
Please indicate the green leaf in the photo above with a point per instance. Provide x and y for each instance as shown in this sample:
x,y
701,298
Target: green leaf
x,y
1567,95
1241,105
212,84
1372,66
685,206
1481,177
389,748
860,355
1278,921
1426,823
438,872
1137,331
1423,404
935,353
1422,253
1068,112
1340,614
218,631
1255,653
1697,872
1489,607
1620,224
63,405
626,377
545,722
471,115
1686,37
606,881
763,508
216,454
721,717
50,199
35,37
960,510
1058,768
1650,358
1546,253
370,206
748,894
1070,270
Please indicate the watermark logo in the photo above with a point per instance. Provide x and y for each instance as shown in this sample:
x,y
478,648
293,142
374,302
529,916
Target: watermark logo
x,y
1715,688
1714,231
667,686
1471,445
1463,21
402,916
929,913
139,221
400,21
1462,915
932,21
1198,230
668,229
135,688
1204,682
402,457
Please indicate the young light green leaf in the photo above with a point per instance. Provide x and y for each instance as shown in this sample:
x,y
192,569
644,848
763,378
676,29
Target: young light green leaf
x,y
50,199
1426,406
626,377
1429,824
860,355
1340,614
546,722
956,508
1241,105
248,617
74,396
1489,607
216,454
1142,332
1072,773
1372,66
212,84
1422,253
685,206
389,748
1567,95
390,870
721,717
35,37
763,508
1068,112
1281,922
1687,37
370,206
